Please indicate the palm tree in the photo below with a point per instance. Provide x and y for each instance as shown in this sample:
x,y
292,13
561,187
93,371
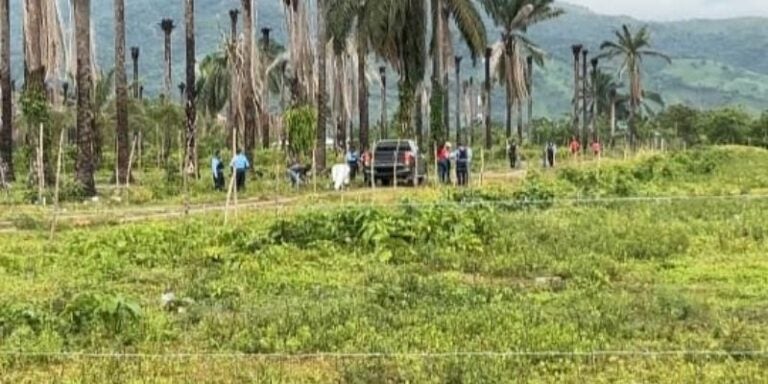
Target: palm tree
x,y
6,104
398,35
322,104
514,17
167,26
469,22
85,129
632,48
345,18
121,95
190,159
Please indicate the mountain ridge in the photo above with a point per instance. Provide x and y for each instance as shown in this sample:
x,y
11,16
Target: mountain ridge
x,y
737,44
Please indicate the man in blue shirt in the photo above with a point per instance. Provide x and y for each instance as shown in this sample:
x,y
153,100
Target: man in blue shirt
x,y
352,161
240,165
217,168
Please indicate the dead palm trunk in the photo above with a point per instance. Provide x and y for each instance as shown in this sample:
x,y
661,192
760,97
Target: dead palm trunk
x,y
33,54
234,106
6,104
85,128
362,95
167,26
529,82
135,59
121,95
457,62
190,161
322,111
488,136
265,89
249,103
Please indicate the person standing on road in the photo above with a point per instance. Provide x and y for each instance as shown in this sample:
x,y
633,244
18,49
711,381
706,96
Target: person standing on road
x,y
463,156
352,161
444,163
240,165
512,153
217,168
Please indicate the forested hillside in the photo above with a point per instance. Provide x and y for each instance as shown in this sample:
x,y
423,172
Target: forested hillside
x,y
717,62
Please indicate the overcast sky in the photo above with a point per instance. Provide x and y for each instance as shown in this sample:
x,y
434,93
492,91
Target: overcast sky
x,y
677,9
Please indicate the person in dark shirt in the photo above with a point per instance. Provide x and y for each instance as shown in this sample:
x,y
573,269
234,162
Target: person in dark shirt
x,y
217,169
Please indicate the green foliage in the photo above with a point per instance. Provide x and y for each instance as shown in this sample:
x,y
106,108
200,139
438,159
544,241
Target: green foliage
x,y
300,125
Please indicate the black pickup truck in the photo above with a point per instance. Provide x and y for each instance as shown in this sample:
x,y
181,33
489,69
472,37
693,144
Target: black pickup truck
x,y
396,161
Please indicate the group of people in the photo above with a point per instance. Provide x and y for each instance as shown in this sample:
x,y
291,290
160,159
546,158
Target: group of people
x,y
239,165
462,157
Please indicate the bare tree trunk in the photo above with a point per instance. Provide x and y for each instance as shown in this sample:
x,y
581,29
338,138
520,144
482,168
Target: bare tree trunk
x,y
249,103
519,120
167,27
190,155
458,99
121,94
85,128
575,102
529,77
135,59
488,137
362,97
6,104
190,162
322,104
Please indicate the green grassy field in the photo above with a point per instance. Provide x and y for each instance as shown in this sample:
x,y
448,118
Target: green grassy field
x,y
569,276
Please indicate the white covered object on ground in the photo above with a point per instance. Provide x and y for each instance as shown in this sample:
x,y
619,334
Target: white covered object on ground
x,y
340,176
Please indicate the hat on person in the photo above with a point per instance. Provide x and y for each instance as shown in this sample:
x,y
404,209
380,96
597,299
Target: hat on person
x,y
448,144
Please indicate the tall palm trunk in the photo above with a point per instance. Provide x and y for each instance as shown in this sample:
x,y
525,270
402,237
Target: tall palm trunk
x,y
121,95
234,105
249,104
529,82
167,27
362,97
33,50
322,111
85,127
190,159
6,104
265,88
519,120
135,51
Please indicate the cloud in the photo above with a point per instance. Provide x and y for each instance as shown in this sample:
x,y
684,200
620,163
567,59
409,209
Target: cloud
x,y
678,9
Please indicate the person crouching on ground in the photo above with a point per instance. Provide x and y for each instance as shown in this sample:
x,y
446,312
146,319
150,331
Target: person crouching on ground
x,y
296,172
217,168
240,165
463,156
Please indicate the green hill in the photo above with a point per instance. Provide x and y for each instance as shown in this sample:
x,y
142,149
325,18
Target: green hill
x,y
717,62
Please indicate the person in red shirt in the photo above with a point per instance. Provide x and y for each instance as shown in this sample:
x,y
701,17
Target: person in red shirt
x,y
444,163
596,149
575,146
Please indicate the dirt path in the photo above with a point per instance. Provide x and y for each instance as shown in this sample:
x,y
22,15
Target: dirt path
x,y
168,211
